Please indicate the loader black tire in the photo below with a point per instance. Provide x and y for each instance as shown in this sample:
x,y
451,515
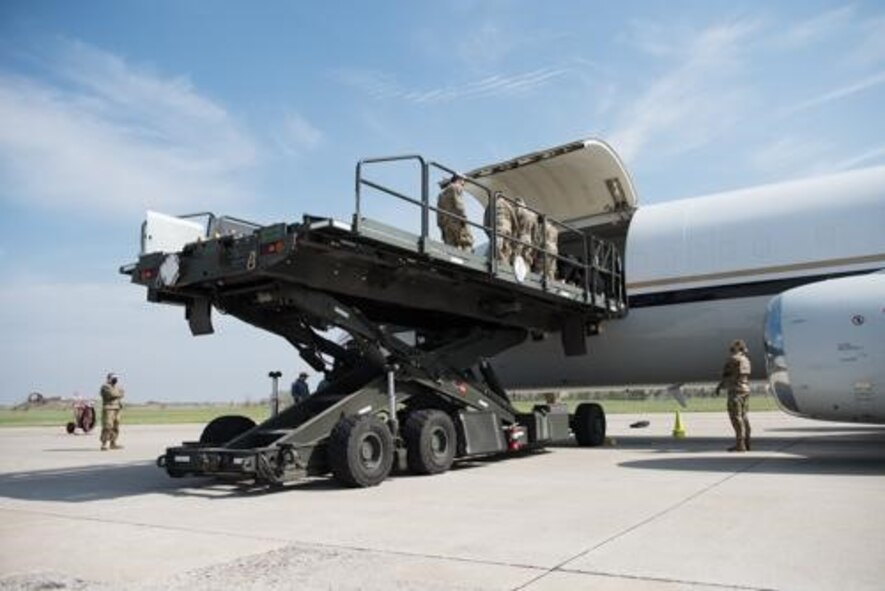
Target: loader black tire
x,y
220,430
431,441
360,451
589,425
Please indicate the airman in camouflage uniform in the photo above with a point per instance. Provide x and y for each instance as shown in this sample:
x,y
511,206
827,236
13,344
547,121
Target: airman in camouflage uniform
x,y
735,379
111,396
505,224
454,230
547,237
527,228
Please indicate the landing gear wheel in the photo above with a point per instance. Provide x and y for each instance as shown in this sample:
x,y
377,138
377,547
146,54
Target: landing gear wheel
x,y
360,451
589,425
222,429
430,441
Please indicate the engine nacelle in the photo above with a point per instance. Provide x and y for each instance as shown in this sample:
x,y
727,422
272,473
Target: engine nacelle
x,y
825,349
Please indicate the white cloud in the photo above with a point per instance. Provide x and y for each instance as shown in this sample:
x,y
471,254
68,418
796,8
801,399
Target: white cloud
x,y
789,156
486,46
297,135
869,50
654,38
873,156
103,136
836,94
814,29
692,103
384,86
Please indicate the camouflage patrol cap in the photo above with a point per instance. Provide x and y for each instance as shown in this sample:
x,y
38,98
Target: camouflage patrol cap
x,y
739,345
111,376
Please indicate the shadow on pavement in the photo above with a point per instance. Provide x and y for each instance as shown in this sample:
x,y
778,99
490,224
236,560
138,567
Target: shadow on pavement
x,y
871,429
83,484
112,481
848,454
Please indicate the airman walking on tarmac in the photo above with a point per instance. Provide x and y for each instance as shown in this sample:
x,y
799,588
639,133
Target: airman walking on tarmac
x,y
505,224
526,228
111,395
454,230
736,381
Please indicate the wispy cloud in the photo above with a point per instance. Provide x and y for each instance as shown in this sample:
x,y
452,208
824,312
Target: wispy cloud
x,y
814,29
790,156
384,86
297,135
873,156
691,103
101,136
869,50
486,46
838,93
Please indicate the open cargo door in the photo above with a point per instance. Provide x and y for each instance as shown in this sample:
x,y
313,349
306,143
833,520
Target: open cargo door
x,y
582,183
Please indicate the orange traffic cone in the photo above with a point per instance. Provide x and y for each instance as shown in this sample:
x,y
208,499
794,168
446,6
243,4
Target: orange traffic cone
x,y
678,427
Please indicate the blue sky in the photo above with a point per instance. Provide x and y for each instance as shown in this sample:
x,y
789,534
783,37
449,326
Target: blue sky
x,y
110,108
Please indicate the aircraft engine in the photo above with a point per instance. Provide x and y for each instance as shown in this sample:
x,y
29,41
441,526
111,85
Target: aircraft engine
x,y
825,349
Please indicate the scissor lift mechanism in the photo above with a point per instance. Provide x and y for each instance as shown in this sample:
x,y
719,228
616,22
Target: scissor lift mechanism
x,y
412,387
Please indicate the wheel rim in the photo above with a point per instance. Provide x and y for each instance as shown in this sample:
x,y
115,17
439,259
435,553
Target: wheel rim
x,y
439,443
371,451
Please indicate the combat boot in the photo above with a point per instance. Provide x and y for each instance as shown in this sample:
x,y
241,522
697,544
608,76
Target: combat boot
x,y
116,446
104,447
738,446
747,444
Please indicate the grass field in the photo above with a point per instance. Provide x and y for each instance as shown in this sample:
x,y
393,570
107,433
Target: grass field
x,y
159,415
654,405
132,415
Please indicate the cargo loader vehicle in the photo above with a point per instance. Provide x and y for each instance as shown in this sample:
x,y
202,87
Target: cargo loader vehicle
x,y
404,327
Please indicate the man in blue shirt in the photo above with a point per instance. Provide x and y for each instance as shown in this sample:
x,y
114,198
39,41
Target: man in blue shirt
x,y
300,389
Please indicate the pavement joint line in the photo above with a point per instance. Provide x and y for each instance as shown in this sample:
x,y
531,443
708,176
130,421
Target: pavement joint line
x,y
561,566
286,541
662,580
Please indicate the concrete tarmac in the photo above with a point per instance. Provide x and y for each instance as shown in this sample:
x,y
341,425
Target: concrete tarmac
x,y
804,510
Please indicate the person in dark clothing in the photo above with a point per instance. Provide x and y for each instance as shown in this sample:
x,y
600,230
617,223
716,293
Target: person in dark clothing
x,y
300,389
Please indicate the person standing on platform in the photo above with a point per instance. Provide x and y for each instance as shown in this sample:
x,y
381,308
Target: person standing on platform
x,y
505,225
454,229
527,228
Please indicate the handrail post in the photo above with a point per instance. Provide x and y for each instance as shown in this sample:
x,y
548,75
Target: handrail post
x,y
544,251
587,268
616,281
493,221
359,182
425,204
594,279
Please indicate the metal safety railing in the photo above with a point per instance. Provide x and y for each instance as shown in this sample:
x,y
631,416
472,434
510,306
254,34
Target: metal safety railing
x,y
596,270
